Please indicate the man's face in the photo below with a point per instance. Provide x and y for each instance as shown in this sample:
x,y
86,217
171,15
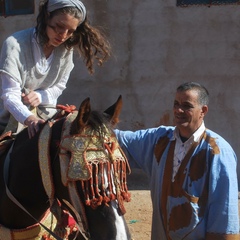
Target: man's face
x,y
188,113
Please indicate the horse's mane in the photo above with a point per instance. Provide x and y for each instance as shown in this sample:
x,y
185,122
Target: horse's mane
x,y
99,122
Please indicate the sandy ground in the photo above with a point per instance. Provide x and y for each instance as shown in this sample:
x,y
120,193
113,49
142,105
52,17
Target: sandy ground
x,y
139,210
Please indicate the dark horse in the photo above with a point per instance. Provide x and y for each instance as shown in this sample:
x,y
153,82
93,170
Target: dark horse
x,y
73,166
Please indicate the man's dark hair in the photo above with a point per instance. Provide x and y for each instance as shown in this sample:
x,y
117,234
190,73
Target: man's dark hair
x,y
203,95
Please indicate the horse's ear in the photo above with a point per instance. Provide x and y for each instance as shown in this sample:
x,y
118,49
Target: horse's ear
x,y
114,111
82,118
84,112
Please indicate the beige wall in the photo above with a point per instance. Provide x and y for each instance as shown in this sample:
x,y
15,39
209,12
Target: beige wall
x,y
156,47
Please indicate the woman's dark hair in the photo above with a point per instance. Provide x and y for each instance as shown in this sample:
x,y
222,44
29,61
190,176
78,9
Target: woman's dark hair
x,y
90,41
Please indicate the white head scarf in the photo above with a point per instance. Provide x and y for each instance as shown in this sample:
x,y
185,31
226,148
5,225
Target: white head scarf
x,y
57,4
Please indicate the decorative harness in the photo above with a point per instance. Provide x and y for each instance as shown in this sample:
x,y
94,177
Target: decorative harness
x,y
98,164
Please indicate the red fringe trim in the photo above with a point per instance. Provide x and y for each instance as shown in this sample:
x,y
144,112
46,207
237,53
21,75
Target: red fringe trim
x,y
94,189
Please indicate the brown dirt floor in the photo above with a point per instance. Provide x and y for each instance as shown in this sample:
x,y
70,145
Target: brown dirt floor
x,y
139,209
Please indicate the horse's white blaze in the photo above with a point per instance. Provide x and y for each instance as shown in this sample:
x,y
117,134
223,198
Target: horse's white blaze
x,y
120,226
119,223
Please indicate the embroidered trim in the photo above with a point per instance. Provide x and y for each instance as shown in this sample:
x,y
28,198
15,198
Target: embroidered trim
x,y
32,232
86,156
44,161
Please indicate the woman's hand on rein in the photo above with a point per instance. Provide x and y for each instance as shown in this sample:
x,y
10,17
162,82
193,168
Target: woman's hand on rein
x,y
33,123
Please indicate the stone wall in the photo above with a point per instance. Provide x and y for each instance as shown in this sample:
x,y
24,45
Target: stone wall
x,y
156,47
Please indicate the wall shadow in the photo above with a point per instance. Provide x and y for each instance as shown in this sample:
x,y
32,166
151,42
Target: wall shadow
x,y
137,180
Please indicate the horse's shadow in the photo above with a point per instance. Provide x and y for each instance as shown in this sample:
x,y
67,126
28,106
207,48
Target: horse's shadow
x,y
138,180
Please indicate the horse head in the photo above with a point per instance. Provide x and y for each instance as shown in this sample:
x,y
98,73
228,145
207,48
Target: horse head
x,y
85,116
90,155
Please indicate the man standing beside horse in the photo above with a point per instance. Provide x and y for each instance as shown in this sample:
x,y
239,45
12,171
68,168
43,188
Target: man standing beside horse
x,y
192,172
